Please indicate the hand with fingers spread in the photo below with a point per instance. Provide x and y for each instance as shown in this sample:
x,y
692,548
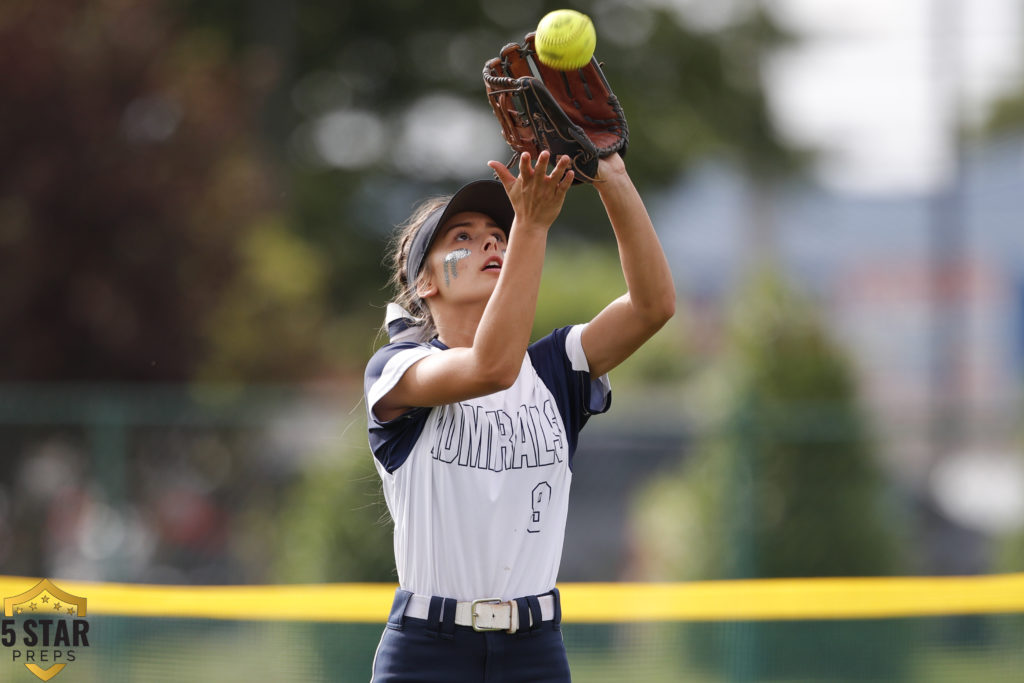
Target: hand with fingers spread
x,y
536,194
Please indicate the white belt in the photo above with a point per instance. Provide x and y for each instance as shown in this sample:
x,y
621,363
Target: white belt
x,y
487,614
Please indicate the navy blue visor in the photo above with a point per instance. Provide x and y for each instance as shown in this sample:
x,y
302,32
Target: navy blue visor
x,y
483,196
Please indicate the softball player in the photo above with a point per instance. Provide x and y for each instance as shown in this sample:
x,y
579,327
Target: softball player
x,y
473,428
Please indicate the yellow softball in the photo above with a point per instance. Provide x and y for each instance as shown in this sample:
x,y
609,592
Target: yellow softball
x,y
565,39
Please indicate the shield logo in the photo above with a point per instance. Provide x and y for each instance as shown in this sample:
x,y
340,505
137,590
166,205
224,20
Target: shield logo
x,y
45,600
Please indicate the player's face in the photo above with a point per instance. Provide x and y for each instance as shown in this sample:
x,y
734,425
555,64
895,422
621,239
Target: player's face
x,y
466,258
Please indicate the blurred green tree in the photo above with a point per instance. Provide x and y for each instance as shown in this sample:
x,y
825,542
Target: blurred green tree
x,y
784,483
335,524
1006,115
131,195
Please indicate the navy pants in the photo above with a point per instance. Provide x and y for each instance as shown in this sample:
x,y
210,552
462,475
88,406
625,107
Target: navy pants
x,y
435,649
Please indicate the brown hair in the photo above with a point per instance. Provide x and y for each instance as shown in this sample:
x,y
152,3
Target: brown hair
x,y
396,259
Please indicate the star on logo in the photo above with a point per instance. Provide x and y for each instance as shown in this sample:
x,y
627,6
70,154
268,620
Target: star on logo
x,y
71,610
57,607
32,606
46,598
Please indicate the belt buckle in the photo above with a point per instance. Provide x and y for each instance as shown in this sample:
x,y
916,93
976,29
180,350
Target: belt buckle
x,y
473,614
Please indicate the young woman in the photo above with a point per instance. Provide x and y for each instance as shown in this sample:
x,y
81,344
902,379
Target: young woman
x,y
473,428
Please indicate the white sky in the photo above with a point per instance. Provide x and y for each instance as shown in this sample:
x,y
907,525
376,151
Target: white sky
x,y
866,85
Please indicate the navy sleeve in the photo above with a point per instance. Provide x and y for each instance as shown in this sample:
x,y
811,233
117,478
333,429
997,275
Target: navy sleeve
x,y
574,390
391,441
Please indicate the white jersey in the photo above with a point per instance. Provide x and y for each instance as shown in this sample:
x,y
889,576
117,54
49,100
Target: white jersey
x,y
479,490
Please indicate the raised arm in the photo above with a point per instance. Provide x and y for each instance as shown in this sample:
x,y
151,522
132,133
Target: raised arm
x,y
649,302
487,349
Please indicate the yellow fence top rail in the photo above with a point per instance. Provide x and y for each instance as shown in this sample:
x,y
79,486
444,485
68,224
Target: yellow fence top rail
x,y
764,599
